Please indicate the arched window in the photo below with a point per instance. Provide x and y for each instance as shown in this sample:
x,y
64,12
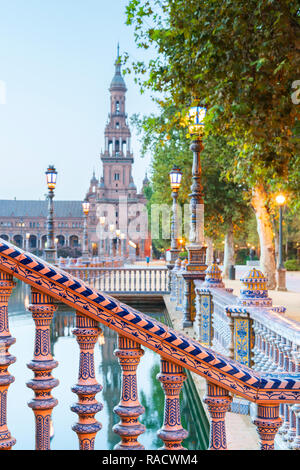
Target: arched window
x,y
117,125
117,106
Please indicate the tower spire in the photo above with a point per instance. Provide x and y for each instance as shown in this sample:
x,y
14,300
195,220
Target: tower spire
x,y
118,81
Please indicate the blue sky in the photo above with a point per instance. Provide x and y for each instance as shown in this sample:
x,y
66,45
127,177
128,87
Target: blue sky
x,y
57,61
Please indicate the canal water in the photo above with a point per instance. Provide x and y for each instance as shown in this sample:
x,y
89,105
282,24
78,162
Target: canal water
x,y
65,350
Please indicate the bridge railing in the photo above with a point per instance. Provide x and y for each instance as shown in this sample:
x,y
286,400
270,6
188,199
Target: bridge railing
x,y
142,280
225,377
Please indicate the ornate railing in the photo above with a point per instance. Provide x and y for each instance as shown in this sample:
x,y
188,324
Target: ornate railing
x,y
225,377
148,280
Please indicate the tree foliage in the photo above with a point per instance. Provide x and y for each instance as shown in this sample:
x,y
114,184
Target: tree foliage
x,y
240,59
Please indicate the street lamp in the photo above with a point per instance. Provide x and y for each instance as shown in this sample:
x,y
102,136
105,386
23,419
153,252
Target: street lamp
x,y
27,241
118,234
281,271
197,115
195,267
175,181
102,220
132,245
111,229
123,236
50,251
85,251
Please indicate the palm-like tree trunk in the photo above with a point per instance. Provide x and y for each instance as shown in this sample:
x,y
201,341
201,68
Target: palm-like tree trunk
x,y
228,251
265,233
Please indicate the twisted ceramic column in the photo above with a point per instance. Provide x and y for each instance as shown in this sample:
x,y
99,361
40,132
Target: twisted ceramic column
x,y
196,201
267,422
42,310
287,366
218,402
86,332
172,433
6,286
129,409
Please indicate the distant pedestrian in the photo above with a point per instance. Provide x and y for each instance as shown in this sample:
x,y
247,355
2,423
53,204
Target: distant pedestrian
x,y
147,259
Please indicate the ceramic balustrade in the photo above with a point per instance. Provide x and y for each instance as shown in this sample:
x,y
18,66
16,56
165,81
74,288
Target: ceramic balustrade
x,y
125,280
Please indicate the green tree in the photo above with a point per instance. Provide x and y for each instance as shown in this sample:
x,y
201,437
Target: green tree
x,y
240,59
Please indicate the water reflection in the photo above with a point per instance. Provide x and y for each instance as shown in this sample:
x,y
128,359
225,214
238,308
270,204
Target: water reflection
x,y
65,351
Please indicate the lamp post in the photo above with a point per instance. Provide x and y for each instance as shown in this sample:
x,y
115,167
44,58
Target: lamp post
x,y
122,244
27,241
21,224
85,251
196,237
50,251
102,223
195,268
132,245
111,229
175,181
281,271
118,234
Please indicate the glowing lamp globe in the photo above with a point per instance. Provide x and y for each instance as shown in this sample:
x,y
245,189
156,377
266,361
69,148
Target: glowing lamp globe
x,y
280,199
86,207
175,178
118,232
51,175
196,119
102,220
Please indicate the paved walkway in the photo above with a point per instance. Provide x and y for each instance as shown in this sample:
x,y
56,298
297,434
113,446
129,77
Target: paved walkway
x,y
289,299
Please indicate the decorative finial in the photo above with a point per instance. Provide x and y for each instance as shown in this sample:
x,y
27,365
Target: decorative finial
x,y
213,277
254,292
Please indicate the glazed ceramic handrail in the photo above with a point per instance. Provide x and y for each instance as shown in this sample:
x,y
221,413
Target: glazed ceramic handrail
x,y
178,352
125,280
149,332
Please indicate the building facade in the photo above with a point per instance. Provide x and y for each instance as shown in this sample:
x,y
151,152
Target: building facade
x,y
24,223
113,199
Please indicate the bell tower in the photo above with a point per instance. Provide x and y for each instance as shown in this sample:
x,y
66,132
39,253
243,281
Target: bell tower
x,y
115,195
117,158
